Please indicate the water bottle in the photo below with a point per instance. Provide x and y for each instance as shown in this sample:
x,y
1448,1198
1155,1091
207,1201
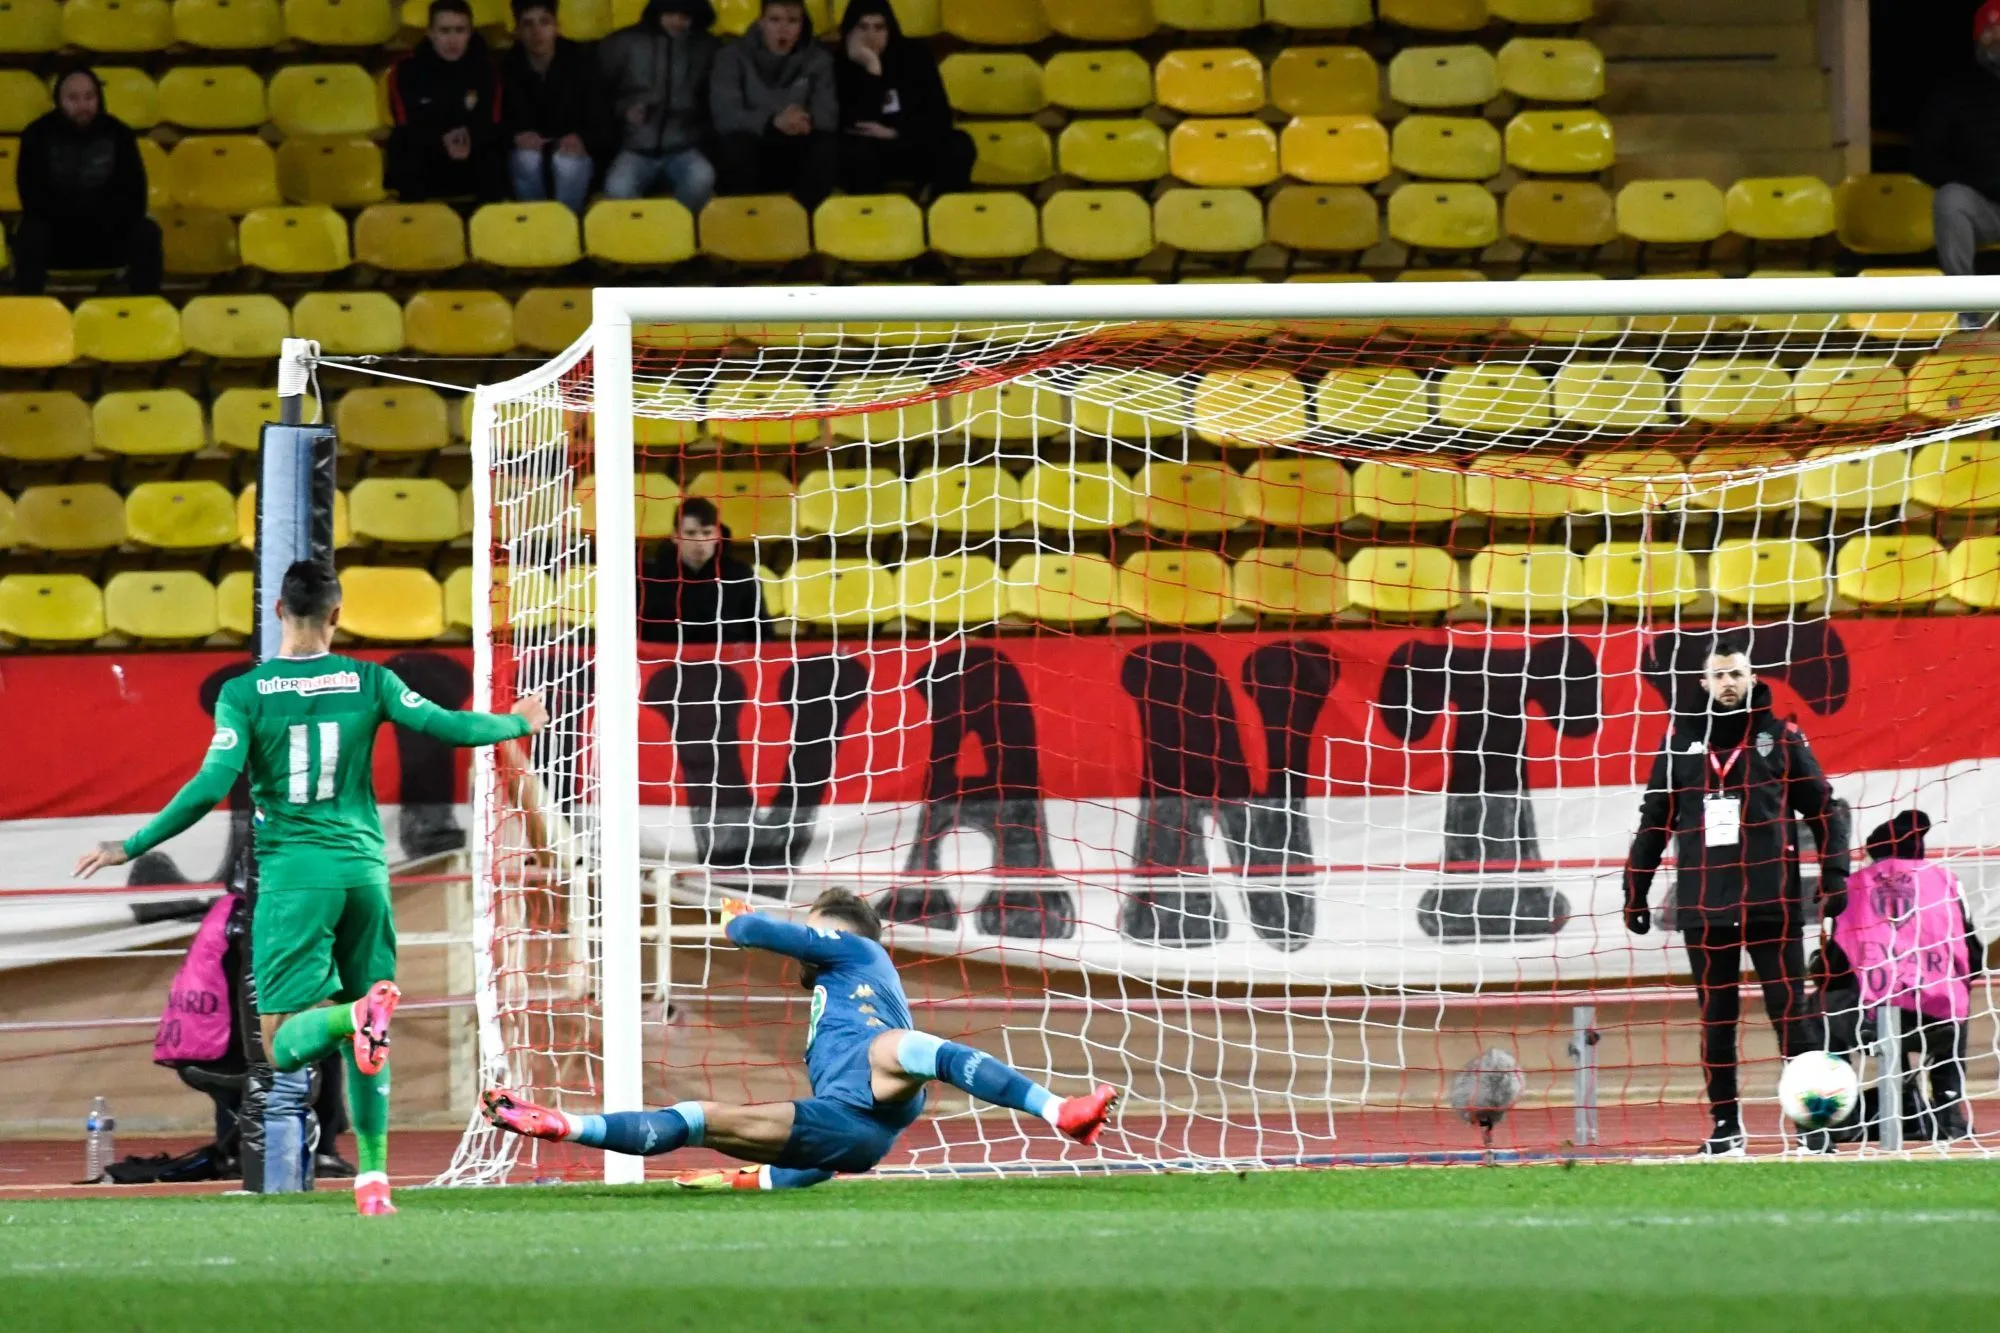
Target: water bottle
x,y
100,1139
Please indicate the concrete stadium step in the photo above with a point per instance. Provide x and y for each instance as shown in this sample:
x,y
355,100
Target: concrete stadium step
x,y
1648,88
1762,131
1685,12
1771,44
1724,167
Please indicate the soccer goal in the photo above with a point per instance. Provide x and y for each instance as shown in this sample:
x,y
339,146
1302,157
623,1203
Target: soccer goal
x,y
1241,694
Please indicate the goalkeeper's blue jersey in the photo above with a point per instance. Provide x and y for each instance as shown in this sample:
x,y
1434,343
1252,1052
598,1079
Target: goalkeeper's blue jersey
x,y
857,995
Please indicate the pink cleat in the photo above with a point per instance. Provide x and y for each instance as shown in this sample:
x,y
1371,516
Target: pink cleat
x,y
512,1112
371,1195
1082,1118
371,1028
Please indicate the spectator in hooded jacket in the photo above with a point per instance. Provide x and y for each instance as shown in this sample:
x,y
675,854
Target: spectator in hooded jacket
x,y
1958,151
895,121
546,97
656,78
446,104
695,591
83,193
772,96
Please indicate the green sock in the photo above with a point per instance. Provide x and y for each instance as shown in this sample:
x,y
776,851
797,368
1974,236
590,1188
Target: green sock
x,y
368,1108
306,1037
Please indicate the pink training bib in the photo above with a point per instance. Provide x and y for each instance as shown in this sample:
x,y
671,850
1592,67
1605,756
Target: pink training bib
x,y
1904,933
196,1022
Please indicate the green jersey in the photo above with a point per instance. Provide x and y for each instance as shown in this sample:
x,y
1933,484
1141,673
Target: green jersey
x,y
305,729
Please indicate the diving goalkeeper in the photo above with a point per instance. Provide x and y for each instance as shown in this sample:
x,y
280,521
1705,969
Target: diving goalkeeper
x,y
867,1063
304,723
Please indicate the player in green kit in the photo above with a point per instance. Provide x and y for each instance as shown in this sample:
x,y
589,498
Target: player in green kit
x,y
304,725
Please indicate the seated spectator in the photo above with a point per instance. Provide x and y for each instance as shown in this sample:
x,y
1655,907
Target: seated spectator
x,y
83,193
656,77
696,592
773,102
545,109
895,121
1958,151
446,104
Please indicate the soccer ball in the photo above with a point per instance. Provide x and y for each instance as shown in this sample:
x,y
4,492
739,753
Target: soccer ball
x,y
1818,1089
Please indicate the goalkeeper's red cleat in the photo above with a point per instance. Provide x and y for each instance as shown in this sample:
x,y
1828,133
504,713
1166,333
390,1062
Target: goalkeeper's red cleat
x,y
371,1027
371,1195
1082,1118
512,1112
722,1178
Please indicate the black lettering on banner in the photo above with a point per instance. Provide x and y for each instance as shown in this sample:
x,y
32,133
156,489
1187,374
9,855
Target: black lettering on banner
x,y
428,824
1288,684
1808,655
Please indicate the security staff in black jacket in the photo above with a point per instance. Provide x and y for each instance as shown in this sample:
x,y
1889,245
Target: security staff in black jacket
x,y
1725,786
694,591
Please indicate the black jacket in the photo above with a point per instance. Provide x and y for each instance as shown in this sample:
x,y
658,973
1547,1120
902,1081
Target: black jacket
x,y
1959,136
643,66
560,100
1771,771
720,603
430,96
908,95
92,174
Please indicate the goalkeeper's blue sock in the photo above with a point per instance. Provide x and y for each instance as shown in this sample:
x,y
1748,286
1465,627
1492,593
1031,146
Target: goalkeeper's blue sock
x,y
791,1177
642,1133
976,1072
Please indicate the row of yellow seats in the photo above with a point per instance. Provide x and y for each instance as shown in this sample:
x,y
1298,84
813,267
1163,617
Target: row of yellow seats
x,y
87,518
179,607
310,99
1027,22
1301,80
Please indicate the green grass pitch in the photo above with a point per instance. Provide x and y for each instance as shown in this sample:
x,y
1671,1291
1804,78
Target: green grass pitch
x,y
1807,1246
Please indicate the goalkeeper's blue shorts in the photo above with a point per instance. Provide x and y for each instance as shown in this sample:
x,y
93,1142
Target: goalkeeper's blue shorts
x,y
829,1134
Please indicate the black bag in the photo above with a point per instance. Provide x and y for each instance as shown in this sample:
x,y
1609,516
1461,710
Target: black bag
x,y
203,1163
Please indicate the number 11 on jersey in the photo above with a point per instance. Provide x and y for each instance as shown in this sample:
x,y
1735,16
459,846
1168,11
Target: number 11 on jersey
x,y
309,781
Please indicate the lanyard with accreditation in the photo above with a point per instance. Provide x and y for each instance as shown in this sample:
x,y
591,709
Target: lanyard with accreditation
x,y
1722,814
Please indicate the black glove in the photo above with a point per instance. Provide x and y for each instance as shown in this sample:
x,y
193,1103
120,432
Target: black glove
x,y
1638,916
1832,893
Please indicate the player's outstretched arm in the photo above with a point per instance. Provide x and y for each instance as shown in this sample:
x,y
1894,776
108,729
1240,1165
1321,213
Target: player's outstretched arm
x,y
747,929
405,707
208,788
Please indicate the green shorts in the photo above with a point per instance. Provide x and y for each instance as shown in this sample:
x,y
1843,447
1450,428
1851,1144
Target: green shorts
x,y
309,945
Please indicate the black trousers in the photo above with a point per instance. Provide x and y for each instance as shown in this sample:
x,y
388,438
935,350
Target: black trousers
x,y
42,243
801,165
1716,943
941,165
416,167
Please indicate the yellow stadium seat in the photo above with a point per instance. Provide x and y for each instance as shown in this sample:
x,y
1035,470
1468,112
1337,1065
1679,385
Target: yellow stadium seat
x,y
1189,497
30,27
908,421
1625,482
1222,152
1209,221
70,519
410,238
153,159
1080,497
993,83
1288,583
549,319
1846,483
1175,587
1427,77
1443,215
1767,572
1552,69
1884,214
1753,491
212,97
350,323
1286,491
161,606
297,239
1013,411
1518,488
1010,152
643,233
198,242
1316,14
1408,496
1729,391
339,172
965,498
1209,15
232,173
181,515
1925,326
995,22
1403,581
1118,21
1611,395
237,416
1570,142
23,98
408,418
1335,150
148,423
35,333
1878,570
324,100
127,330
951,591
1560,215
50,608
1131,404
458,601
341,23
10,196
1495,396
246,519
1119,152
1435,15
869,228
1453,329
1849,390
1549,13
1640,576
6,520
1098,226
851,502
756,229
446,323
1972,571
1323,219
118,25
1780,208
229,25
1098,81
132,96
1223,81
1957,476
1372,400
1461,148
390,604
986,225
1526,580
1954,386
1672,212
44,426
404,511
1062,589
751,505
1326,81
919,18
531,235
840,592
732,400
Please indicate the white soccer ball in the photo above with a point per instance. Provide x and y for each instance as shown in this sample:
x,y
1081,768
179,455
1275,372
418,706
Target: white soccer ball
x,y
1818,1089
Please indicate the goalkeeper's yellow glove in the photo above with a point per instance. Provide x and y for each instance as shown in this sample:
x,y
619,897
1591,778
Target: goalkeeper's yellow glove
x,y
733,908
